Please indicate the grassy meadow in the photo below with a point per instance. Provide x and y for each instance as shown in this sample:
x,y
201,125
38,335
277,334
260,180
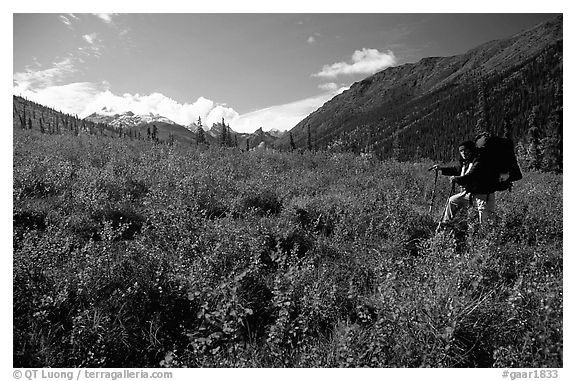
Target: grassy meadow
x,y
131,254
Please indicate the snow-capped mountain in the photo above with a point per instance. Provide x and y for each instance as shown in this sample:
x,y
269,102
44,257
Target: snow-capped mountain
x,y
194,127
127,119
276,132
167,128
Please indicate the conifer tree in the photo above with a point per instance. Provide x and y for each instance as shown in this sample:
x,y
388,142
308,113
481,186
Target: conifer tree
x,y
200,136
292,144
507,127
23,118
418,153
552,142
247,144
154,133
309,141
224,135
396,148
534,153
481,122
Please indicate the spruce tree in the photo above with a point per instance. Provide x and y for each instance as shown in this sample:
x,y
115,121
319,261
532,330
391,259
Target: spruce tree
x,y
552,142
224,135
154,133
534,153
396,148
23,118
481,121
200,135
292,144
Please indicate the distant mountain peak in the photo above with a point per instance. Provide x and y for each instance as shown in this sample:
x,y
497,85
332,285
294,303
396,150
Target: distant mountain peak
x,y
126,119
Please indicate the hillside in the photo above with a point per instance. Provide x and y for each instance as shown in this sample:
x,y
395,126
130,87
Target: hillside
x,y
28,115
422,109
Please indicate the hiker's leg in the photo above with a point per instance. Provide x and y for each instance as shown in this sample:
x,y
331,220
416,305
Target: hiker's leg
x,y
454,203
486,205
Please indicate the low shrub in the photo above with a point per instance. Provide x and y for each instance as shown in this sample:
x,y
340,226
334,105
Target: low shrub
x,y
128,253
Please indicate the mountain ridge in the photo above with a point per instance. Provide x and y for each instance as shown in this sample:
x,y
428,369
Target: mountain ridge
x,y
127,124
372,112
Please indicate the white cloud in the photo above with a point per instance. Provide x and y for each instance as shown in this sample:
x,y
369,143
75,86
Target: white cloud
x,y
330,86
44,78
71,98
69,19
282,117
219,112
313,38
106,17
84,98
90,38
157,103
365,61
66,21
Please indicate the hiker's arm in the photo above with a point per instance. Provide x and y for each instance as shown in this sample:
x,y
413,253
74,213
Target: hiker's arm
x,y
447,171
450,171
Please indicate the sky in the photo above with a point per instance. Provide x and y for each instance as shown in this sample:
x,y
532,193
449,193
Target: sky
x,y
264,70
255,70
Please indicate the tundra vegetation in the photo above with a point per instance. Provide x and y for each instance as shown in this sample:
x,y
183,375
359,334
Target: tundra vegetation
x,y
129,253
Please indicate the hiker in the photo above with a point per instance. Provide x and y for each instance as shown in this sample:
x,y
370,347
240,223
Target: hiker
x,y
473,176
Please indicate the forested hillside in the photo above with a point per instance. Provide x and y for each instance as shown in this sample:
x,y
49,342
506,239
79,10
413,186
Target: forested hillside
x,y
511,87
29,115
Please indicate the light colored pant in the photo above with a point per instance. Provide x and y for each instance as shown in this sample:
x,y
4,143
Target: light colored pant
x,y
484,203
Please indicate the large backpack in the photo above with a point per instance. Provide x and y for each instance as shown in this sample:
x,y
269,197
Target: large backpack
x,y
499,157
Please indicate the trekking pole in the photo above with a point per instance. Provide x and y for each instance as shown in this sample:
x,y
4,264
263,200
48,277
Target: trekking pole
x,y
433,192
452,190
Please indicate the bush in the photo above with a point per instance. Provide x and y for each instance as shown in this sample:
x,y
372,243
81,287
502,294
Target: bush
x,y
128,253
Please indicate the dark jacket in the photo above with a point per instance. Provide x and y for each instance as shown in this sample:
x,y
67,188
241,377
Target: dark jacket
x,y
478,180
